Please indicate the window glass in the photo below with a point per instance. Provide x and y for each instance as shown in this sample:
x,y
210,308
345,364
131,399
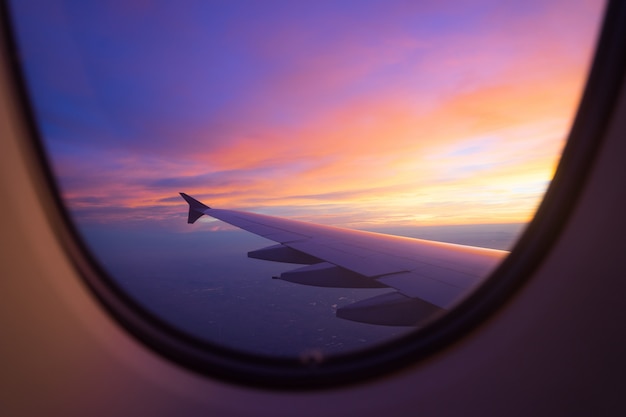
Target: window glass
x,y
440,120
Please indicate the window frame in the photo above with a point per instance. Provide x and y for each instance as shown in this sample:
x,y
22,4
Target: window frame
x,y
591,121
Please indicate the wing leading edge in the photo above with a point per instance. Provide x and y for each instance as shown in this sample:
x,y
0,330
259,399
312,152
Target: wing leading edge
x,y
429,277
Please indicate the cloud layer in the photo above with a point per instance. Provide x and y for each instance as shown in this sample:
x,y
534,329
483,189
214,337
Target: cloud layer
x,y
434,113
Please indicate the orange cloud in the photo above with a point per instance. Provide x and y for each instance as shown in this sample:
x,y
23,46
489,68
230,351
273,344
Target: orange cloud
x,y
479,148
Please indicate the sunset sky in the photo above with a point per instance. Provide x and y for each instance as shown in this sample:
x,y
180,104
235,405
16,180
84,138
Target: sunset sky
x,y
442,120
357,114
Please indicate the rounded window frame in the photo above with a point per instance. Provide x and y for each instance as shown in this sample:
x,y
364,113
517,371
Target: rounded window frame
x,y
559,201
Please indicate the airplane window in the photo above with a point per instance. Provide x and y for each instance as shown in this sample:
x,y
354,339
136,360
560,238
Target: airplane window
x,y
190,141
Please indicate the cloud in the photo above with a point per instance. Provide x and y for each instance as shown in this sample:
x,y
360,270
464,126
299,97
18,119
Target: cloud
x,y
438,115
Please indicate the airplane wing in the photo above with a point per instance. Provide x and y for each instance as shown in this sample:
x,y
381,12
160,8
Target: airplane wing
x,y
428,277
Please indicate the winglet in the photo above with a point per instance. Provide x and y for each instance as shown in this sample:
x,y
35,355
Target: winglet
x,y
196,208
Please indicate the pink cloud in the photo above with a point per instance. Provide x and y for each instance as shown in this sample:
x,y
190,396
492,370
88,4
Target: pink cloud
x,y
385,150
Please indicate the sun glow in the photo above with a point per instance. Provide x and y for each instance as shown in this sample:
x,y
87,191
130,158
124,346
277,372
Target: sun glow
x,y
440,115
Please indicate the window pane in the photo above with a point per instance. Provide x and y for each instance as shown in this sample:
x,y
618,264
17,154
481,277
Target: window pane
x,y
437,120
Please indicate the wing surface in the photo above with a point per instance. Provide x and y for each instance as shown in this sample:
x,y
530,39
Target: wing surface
x,y
429,277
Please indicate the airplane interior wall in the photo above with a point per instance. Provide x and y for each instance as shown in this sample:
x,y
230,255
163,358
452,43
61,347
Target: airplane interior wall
x,y
556,348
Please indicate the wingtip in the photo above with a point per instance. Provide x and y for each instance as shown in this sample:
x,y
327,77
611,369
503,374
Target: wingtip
x,y
196,208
